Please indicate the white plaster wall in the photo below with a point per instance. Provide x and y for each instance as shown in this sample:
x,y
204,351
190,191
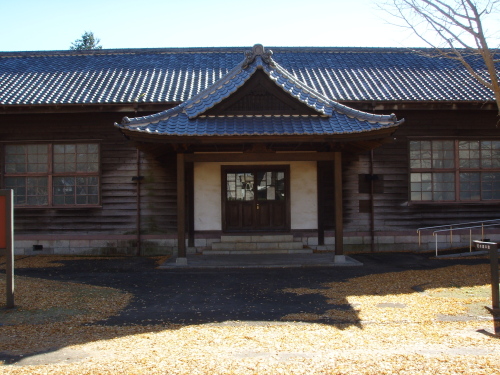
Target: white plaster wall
x,y
303,194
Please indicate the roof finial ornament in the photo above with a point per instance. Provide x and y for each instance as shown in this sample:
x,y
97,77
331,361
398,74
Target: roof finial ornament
x,y
258,50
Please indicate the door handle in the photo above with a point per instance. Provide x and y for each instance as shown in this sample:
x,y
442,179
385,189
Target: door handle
x,y
258,207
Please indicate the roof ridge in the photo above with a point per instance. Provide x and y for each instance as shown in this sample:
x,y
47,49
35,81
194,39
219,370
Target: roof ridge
x,y
235,49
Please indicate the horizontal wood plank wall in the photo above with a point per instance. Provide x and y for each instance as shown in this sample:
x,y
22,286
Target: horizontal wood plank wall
x,y
158,195
392,211
118,191
158,188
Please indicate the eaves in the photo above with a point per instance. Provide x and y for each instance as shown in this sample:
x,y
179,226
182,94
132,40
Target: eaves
x,y
398,105
86,108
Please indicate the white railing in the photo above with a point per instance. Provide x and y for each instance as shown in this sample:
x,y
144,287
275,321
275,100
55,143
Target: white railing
x,y
457,227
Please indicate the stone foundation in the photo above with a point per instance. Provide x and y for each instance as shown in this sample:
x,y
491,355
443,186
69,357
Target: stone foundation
x,y
167,245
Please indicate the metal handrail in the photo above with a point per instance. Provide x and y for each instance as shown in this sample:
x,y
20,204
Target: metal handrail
x,y
450,226
462,228
454,227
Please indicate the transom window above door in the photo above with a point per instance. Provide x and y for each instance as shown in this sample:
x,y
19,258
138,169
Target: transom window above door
x,y
454,170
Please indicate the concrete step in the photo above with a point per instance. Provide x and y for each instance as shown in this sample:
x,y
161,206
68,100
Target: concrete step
x,y
258,238
257,246
256,252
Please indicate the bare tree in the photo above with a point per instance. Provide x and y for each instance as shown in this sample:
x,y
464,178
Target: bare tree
x,y
455,30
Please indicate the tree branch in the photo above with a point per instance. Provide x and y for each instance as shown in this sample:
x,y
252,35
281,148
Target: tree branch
x,y
455,25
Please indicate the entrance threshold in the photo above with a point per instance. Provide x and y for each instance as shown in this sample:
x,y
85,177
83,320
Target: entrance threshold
x,y
198,261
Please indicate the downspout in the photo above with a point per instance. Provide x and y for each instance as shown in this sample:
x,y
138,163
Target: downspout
x,y
372,205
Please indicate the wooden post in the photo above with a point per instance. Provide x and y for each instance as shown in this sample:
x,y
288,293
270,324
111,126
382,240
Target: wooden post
x,y
181,212
7,240
190,201
339,219
138,202
321,199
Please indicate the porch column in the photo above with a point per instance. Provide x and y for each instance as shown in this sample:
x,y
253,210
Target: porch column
x,y
181,213
339,217
190,202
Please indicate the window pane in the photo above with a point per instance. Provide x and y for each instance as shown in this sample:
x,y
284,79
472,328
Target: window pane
x,y
416,196
427,196
36,191
240,186
432,186
80,158
490,185
18,185
63,190
91,190
76,190
420,154
470,186
59,149
93,199
26,158
416,177
59,199
82,148
231,186
490,154
280,185
418,185
28,190
271,185
495,154
443,186
443,154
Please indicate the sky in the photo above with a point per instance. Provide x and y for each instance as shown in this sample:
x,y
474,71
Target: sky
x,y
34,25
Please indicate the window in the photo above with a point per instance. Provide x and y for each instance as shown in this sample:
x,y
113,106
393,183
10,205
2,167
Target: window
x,y
454,171
60,174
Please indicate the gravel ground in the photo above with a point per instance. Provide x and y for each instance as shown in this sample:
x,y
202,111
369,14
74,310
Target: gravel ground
x,y
400,313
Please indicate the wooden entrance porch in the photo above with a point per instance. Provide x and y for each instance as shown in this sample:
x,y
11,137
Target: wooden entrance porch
x,y
185,188
258,113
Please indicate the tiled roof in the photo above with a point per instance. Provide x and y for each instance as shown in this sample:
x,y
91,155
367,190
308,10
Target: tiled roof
x,y
181,125
187,118
258,58
175,75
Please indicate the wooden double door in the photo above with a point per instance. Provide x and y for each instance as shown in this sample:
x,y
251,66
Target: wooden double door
x,y
256,198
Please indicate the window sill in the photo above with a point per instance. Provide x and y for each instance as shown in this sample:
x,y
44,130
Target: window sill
x,y
449,203
57,207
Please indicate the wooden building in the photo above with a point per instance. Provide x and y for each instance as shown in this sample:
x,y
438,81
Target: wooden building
x,y
127,151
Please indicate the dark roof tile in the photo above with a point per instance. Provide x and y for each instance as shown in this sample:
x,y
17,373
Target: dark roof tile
x,y
175,75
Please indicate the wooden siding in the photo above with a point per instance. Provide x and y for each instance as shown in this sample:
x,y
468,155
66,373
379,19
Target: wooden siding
x,y
118,211
392,209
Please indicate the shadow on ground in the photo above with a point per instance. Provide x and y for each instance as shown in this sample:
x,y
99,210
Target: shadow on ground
x,y
166,299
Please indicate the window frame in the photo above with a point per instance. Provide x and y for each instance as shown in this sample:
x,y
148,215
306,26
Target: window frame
x,y
456,170
50,174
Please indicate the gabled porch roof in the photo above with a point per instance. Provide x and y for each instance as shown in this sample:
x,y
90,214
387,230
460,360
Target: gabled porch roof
x,y
193,118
